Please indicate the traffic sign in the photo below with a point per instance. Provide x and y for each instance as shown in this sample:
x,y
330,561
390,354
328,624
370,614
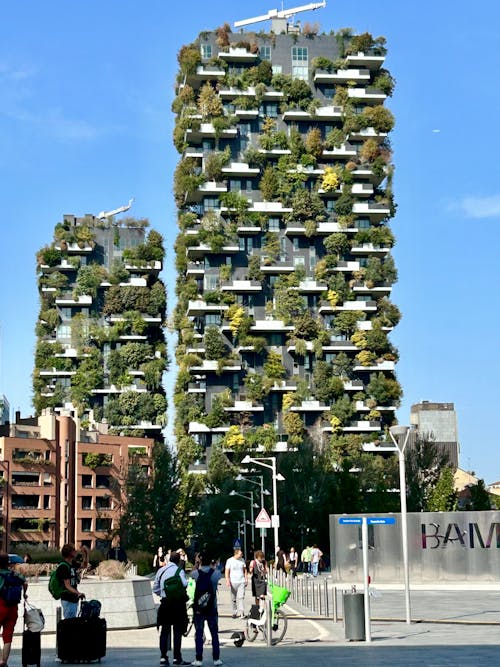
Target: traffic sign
x,y
263,519
349,520
236,544
381,520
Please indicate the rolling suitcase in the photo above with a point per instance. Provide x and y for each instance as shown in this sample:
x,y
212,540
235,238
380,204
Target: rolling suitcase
x,y
81,640
31,651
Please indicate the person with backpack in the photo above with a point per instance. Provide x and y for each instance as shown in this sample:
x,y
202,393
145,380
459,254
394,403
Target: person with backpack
x,y
12,587
207,577
63,582
170,585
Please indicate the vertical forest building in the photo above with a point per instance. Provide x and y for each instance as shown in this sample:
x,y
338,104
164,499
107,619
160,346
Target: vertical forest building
x,y
101,349
284,196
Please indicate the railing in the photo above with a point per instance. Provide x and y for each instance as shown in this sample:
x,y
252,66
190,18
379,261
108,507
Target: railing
x,y
315,595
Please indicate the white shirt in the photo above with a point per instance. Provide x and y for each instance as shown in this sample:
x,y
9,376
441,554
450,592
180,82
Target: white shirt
x,y
235,567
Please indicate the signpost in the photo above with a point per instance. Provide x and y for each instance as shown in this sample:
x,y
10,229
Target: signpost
x,y
364,522
263,520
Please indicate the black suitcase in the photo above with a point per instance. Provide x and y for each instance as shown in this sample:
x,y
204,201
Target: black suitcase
x,y
81,640
31,648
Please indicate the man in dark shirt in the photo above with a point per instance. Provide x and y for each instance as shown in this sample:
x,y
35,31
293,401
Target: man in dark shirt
x,y
67,574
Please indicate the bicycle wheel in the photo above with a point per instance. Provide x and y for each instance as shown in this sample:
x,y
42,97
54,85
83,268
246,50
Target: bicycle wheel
x,y
251,632
279,627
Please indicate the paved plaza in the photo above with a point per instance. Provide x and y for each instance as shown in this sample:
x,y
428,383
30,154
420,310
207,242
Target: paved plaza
x,y
450,627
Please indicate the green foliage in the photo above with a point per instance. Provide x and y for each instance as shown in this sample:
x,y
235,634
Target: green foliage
x,y
209,102
443,497
49,255
273,366
379,117
263,436
294,427
346,321
213,341
424,463
269,184
385,390
306,205
214,162
189,58
343,409
327,386
314,142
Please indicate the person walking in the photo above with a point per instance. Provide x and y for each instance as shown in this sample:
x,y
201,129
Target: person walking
x,y
305,559
159,559
12,586
67,574
280,559
207,577
258,570
292,559
316,554
237,580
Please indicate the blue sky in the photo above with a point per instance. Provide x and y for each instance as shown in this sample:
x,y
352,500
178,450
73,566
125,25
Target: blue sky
x,y
85,124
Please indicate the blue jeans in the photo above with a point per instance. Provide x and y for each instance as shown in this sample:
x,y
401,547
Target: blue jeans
x,y
314,569
212,621
69,609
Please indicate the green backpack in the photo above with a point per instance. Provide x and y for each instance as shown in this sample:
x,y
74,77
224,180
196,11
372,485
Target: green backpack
x,y
56,586
175,591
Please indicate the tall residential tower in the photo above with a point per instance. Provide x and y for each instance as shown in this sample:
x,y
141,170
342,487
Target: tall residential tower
x,y
100,345
284,251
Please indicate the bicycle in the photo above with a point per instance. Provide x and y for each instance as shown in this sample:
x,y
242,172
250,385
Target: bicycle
x,y
257,620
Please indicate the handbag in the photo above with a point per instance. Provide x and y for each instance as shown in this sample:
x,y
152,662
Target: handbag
x,y
34,619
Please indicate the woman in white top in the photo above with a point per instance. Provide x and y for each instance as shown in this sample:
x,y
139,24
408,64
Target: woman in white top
x,y
236,579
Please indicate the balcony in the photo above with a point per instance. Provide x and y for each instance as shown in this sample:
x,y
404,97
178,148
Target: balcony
x,y
242,286
353,385
200,307
368,95
361,407
207,130
373,209
122,389
76,248
238,54
368,60
310,406
343,265
366,133
362,288
342,76
271,207
231,93
67,299
328,112
244,406
296,114
275,151
145,318
379,366
277,267
195,269
206,73
246,114
285,385
197,388
312,287
202,250
346,150
370,249
199,427
240,169
146,267
365,306
331,227
270,325
52,372
212,366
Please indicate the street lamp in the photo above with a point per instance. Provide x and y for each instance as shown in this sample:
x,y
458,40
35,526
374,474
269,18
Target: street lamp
x,y
399,436
227,511
263,492
252,505
276,477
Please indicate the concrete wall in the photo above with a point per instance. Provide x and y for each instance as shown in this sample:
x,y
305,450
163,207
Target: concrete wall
x,y
126,603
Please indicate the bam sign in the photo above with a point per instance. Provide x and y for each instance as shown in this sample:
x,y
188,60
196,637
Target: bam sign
x,y
445,546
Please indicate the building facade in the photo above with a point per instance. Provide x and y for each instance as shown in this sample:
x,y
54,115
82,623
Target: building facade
x,y
100,344
59,483
284,194
438,421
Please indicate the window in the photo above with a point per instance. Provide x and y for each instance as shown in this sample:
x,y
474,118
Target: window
x,y
362,223
271,109
86,525
265,53
245,244
210,203
103,525
212,319
102,481
299,261
300,62
46,502
277,69
87,481
65,313
329,92
86,502
103,503
274,224
63,331
211,282
206,51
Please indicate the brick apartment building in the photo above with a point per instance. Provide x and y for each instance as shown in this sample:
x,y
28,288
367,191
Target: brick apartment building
x,y
60,484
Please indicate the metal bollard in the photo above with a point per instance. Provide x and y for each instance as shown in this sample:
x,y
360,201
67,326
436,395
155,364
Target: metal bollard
x,y
269,622
327,606
335,607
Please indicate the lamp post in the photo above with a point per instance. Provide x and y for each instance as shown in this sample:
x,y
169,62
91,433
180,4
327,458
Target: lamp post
x,y
6,502
239,528
225,523
275,478
252,505
399,436
263,492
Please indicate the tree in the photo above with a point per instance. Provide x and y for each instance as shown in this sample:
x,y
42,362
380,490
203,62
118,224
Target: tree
x,y
269,184
424,463
443,497
478,498
209,103
148,518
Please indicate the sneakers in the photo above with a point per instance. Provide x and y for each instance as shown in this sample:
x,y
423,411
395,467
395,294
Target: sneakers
x,y
164,661
218,662
197,663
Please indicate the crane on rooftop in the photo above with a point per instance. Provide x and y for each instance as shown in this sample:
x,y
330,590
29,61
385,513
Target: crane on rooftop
x,y
280,13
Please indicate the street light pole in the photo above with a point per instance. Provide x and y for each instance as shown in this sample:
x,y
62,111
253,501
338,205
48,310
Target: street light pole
x,y
272,467
399,435
251,499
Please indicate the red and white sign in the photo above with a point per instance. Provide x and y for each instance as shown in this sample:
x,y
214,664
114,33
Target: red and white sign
x,y
263,519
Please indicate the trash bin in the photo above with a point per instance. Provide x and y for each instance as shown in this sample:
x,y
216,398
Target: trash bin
x,y
354,615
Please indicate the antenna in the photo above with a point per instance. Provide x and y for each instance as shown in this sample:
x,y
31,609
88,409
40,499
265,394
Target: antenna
x,y
281,14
